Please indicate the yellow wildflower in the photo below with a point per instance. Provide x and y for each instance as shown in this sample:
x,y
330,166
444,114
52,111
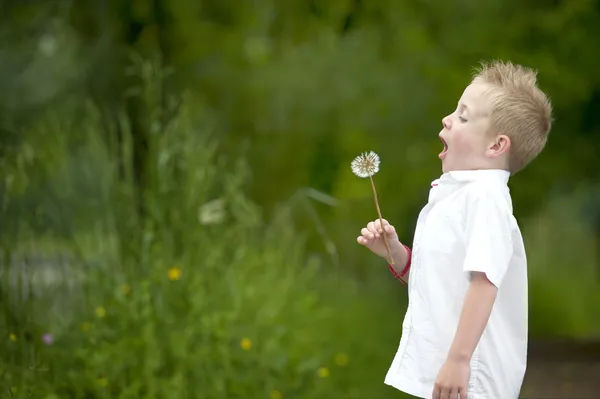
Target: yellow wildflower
x,y
341,359
246,344
323,372
85,327
125,289
174,273
100,312
275,394
102,382
12,337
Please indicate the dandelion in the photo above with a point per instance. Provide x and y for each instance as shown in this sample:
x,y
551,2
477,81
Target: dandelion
x,y
246,344
341,359
323,372
275,394
366,165
100,312
103,382
48,339
12,337
174,273
86,326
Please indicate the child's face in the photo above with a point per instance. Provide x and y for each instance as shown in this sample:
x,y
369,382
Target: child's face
x,y
465,134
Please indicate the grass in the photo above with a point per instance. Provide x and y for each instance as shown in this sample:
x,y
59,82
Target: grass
x,y
201,298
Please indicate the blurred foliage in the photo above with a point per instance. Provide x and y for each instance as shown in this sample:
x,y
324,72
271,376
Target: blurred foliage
x,y
126,126
202,297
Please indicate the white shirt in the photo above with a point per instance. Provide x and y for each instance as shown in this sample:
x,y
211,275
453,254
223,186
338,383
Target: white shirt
x,y
467,225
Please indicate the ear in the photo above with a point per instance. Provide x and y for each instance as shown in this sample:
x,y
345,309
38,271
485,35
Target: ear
x,y
499,146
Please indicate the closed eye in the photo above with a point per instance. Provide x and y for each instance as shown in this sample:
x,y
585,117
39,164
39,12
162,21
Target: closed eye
x,y
463,120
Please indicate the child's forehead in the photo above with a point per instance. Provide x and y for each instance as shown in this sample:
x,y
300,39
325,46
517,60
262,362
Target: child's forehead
x,y
476,97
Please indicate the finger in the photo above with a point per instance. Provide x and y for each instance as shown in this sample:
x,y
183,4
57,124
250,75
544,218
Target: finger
x,y
377,224
362,241
387,227
382,222
436,392
454,394
372,228
444,393
463,393
367,234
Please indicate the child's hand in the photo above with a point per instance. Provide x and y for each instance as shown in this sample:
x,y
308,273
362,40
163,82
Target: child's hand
x,y
452,380
372,238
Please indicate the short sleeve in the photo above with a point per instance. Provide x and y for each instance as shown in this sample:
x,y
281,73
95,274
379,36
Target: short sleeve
x,y
488,238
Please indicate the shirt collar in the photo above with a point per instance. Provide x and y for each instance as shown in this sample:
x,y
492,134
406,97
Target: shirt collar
x,y
452,181
461,176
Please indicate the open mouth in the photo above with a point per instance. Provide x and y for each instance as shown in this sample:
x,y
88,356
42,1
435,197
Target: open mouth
x,y
445,150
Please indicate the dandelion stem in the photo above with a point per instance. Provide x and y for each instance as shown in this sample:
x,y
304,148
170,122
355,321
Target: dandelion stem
x,y
381,222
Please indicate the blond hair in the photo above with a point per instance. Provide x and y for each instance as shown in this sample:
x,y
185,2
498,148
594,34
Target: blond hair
x,y
519,109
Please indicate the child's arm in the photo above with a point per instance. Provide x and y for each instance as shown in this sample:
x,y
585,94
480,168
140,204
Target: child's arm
x,y
454,374
401,269
474,317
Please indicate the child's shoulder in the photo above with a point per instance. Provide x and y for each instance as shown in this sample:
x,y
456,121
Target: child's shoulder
x,y
488,195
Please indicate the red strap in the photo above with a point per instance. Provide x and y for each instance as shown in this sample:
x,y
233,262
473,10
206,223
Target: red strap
x,y
406,268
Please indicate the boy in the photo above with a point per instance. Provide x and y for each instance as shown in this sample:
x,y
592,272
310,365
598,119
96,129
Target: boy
x,y
465,330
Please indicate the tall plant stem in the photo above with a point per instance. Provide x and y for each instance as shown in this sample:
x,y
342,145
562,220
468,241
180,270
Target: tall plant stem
x,y
387,247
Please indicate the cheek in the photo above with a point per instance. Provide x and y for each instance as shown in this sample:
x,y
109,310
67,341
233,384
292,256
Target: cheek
x,y
464,142
461,142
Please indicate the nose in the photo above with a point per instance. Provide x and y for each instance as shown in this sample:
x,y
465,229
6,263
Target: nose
x,y
447,122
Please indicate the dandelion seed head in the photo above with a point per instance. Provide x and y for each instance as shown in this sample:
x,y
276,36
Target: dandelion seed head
x,y
365,165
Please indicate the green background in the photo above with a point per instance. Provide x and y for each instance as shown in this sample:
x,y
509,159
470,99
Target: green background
x,y
143,139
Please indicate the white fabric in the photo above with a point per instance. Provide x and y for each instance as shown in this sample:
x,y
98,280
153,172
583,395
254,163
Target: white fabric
x,y
467,225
